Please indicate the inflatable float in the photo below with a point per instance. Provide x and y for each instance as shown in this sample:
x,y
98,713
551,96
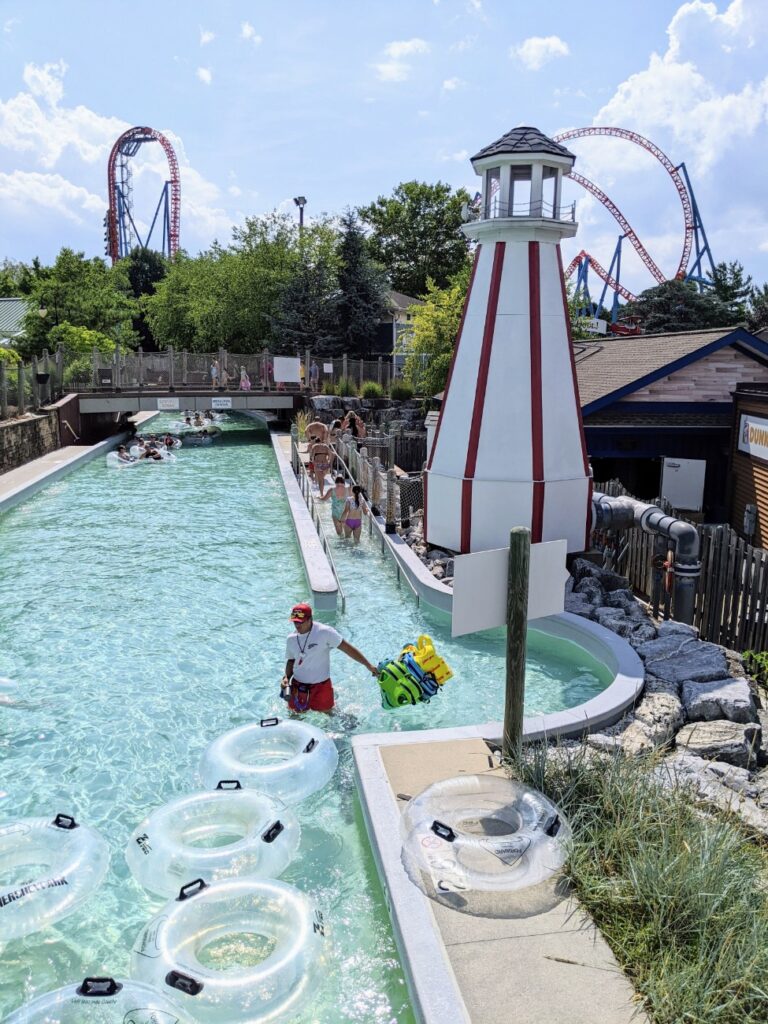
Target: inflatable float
x,y
221,834
55,866
482,833
168,951
289,760
101,1001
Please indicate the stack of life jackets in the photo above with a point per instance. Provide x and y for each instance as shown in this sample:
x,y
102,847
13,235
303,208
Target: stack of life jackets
x,y
414,677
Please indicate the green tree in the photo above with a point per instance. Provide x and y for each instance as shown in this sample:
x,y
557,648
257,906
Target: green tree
x,y
757,313
435,329
145,268
733,288
362,291
678,306
416,234
579,330
15,279
307,311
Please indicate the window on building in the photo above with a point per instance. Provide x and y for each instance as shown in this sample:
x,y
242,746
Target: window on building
x,y
548,193
492,190
520,191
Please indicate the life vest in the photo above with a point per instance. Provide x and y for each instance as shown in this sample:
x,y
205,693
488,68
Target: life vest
x,y
397,685
429,660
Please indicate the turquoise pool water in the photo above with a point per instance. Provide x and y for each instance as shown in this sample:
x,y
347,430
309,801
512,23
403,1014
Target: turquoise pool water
x,y
142,613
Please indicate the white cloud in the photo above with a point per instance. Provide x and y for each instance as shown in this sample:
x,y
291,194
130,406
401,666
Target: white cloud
x,y
535,52
46,81
247,31
475,6
205,75
396,69
9,25
28,190
206,36
463,44
235,190
458,157
450,84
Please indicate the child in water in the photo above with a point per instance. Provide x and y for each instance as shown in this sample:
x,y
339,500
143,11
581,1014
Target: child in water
x,y
354,510
338,496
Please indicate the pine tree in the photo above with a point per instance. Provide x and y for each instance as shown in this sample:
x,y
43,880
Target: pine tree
x,y
757,314
732,288
362,291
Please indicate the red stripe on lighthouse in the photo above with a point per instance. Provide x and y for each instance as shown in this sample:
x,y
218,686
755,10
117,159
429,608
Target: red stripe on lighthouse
x,y
573,363
454,354
537,437
480,389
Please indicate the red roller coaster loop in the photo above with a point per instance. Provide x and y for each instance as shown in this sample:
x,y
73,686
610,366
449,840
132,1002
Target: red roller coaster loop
x,y
119,217
602,273
682,191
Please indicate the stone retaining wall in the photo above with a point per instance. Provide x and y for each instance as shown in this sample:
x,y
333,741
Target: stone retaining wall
x,y
29,438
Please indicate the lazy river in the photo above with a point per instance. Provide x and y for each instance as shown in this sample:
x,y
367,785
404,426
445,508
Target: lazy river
x,y
143,612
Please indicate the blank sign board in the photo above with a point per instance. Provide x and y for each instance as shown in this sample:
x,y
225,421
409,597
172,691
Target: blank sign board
x,y
480,586
287,369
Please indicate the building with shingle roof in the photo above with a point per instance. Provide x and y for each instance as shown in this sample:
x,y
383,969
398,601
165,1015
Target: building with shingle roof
x,y
521,140
12,313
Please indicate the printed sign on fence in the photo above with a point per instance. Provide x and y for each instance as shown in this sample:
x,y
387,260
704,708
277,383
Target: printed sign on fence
x,y
327,367
287,370
167,404
221,403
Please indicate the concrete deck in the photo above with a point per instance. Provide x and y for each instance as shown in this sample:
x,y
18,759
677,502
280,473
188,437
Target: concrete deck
x,y
551,967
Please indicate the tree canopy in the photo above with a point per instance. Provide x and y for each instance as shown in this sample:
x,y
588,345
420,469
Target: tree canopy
x,y
435,330
678,306
362,291
733,287
416,234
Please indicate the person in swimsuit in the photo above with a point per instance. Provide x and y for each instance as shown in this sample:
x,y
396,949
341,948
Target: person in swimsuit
x,y
316,431
306,684
354,511
320,455
353,425
123,455
338,496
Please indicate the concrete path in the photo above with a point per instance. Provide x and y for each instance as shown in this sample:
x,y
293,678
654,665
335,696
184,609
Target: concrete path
x,y
552,967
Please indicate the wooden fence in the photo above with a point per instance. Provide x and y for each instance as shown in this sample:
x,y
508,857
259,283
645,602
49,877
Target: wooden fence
x,y
732,596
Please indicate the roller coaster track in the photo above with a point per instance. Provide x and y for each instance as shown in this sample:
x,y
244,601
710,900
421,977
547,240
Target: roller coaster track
x,y
682,191
602,273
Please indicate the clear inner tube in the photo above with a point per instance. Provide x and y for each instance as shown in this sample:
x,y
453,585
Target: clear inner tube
x,y
113,459
100,1000
226,833
241,950
482,833
47,869
287,759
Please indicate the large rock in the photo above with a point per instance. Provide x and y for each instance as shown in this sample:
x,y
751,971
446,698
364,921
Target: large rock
x,y
636,630
661,714
579,604
721,785
641,633
623,599
637,740
590,589
582,569
677,629
678,657
732,742
721,698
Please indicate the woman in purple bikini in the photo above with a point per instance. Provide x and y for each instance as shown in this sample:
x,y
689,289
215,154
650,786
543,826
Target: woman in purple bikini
x,y
354,511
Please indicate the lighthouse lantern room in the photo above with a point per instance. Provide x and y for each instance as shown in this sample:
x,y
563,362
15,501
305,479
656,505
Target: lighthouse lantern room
x,y
509,444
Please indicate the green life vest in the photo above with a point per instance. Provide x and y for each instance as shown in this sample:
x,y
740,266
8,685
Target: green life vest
x,y
397,685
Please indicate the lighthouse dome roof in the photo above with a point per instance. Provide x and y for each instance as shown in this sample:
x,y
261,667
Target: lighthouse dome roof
x,y
523,139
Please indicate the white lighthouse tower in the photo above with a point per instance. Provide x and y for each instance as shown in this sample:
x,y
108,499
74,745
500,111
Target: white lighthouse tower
x,y
509,445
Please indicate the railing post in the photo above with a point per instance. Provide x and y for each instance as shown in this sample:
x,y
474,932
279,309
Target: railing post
x,y
379,371
3,392
140,354
344,366
95,367
376,487
35,386
170,369
184,367
59,370
362,371
221,367
21,402
47,369
116,379
389,375
307,365
390,525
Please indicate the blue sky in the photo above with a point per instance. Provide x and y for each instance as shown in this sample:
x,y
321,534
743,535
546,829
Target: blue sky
x,y
341,100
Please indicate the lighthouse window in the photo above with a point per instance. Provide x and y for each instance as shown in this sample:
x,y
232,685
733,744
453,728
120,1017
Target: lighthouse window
x,y
520,191
492,192
548,194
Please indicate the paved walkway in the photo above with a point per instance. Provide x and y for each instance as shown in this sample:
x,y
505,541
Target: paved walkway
x,y
549,968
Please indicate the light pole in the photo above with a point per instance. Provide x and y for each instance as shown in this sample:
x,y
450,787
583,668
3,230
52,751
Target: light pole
x,y
301,202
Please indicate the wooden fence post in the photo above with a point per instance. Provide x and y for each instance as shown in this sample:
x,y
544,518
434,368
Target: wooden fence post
x,y
21,403
59,370
344,365
517,625
379,368
3,392
170,368
390,525
95,366
35,386
184,367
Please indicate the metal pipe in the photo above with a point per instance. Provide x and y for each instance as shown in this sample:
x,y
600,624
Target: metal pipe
x,y
623,513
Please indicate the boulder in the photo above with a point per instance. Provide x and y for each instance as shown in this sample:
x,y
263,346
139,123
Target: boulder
x,y
641,633
623,599
637,740
437,553
721,698
661,714
614,619
582,569
656,685
578,604
760,782
591,589
721,785
721,740
449,567
438,572
679,657
677,629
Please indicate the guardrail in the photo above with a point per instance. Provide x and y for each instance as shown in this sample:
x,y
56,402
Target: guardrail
x,y
305,485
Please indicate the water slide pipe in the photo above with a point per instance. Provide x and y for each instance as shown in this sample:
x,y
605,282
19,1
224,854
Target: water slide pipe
x,y
624,513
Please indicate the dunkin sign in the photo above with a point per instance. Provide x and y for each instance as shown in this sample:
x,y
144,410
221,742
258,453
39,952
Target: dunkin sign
x,y
753,436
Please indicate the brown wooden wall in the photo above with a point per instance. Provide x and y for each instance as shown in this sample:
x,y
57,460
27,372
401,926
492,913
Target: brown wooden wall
x,y
749,476
711,379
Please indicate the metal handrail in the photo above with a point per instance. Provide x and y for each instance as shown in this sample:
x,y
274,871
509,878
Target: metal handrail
x,y
306,490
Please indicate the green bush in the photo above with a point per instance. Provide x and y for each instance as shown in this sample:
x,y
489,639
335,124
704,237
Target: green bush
x,y
345,388
401,392
371,389
328,388
679,894
756,663
10,357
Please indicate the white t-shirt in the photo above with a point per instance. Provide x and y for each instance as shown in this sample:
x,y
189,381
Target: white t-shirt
x,y
311,653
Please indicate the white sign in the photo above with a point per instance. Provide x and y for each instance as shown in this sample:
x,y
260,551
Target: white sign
x,y
753,436
221,403
596,326
682,483
327,367
287,370
167,404
480,586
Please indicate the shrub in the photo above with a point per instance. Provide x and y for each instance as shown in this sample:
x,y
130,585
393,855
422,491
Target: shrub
x,y
345,388
371,389
756,663
302,419
9,356
401,392
328,388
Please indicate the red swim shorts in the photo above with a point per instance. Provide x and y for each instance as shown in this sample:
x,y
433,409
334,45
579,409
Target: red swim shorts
x,y
311,696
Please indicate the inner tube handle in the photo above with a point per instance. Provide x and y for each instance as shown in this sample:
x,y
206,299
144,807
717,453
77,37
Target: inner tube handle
x,y
65,821
268,721
310,746
183,982
229,784
191,889
273,832
552,827
99,987
443,831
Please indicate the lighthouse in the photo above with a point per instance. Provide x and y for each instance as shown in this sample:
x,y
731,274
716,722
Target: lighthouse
x,y
509,445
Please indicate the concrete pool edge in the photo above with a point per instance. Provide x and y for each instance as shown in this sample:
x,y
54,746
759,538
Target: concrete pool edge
x,y
317,568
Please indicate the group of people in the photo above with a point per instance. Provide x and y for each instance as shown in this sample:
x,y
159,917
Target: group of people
x,y
152,448
205,421
348,506
221,377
